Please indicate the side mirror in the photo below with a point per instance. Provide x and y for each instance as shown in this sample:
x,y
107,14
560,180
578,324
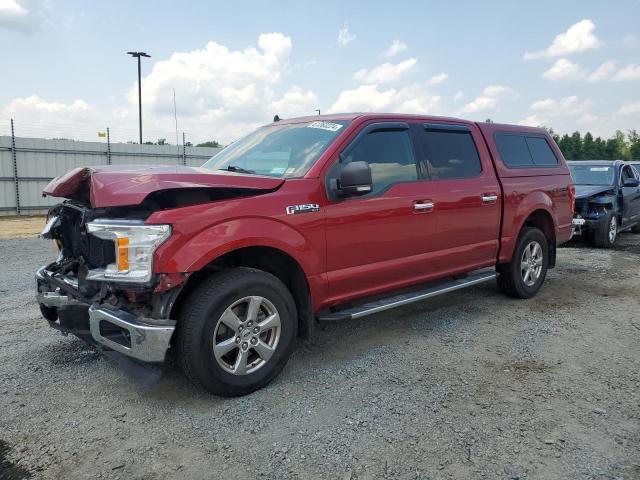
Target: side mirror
x,y
631,182
355,179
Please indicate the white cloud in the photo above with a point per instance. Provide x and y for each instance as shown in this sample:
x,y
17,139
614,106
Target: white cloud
x,y
578,38
344,36
543,104
220,92
37,105
21,15
566,105
603,72
386,72
564,114
564,69
629,109
630,72
489,99
458,96
37,117
395,48
438,79
369,98
295,102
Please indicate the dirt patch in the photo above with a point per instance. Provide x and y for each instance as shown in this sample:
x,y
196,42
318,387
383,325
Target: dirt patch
x,y
21,227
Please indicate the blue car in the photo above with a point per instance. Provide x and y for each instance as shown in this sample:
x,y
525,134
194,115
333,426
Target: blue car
x,y
607,199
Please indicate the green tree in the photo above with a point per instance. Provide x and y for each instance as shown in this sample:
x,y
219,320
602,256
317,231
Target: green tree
x,y
210,143
634,145
588,147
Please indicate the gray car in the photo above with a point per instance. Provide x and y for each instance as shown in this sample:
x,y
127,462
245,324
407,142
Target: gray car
x,y
607,199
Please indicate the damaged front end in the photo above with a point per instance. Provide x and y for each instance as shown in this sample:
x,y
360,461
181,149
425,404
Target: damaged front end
x,y
590,212
102,287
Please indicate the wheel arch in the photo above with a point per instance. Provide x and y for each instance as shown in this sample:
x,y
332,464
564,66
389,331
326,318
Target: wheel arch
x,y
542,219
266,258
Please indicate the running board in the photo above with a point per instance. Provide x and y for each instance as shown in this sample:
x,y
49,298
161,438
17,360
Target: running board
x,y
406,298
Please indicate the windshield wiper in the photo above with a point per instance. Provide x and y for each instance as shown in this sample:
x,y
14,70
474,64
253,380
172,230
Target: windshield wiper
x,y
234,168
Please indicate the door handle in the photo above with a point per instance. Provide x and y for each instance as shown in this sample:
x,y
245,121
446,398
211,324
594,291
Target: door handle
x,y
423,206
489,198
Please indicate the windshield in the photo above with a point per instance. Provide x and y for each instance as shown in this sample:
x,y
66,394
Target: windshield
x,y
282,151
592,174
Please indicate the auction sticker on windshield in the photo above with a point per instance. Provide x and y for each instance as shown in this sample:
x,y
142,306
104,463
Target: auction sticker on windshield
x,y
599,169
332,127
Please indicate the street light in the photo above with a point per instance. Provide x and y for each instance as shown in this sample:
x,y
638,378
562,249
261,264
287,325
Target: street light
x,y
138,55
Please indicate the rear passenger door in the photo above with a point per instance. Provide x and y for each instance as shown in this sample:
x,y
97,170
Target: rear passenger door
x,y
465,193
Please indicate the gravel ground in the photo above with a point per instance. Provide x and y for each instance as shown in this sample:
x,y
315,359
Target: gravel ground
x,y
469,385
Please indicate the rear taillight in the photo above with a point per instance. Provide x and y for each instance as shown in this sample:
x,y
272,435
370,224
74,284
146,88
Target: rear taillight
x,y
572,196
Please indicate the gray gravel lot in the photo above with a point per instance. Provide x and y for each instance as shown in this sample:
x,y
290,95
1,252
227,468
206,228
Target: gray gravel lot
x,y
470,385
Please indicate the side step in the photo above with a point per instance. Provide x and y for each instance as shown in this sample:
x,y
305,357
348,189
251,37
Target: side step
x,y
406,298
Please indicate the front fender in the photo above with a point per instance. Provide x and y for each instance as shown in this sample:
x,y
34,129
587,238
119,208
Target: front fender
x,y
180,254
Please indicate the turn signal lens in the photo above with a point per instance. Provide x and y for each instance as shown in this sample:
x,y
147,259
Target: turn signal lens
x,y
123,253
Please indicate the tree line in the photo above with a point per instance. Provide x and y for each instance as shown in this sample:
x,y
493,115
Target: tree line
x,y
618,147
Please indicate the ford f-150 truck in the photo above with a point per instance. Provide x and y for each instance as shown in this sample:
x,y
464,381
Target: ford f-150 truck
x,y
311,219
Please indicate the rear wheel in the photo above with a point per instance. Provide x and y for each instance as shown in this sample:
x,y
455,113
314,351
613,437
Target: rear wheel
x,y
607,233
236,331
525,274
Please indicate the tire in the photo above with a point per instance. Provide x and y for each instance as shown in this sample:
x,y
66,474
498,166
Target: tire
x,y
636,228
201,330
603,236
512,279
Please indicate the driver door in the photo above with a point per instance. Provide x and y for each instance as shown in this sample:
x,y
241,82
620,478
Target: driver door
x,y
379,241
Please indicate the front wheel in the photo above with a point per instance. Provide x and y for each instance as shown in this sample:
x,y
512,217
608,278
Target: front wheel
x,y
607,233
236,331
523,276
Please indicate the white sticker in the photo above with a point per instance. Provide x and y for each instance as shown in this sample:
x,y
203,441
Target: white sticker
x,y
278,170
599,169
332,127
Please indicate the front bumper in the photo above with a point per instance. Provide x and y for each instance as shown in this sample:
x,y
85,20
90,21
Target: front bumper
x,y
141,338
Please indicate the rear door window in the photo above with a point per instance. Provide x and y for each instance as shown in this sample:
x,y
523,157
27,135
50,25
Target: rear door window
x,y
518,151
449,153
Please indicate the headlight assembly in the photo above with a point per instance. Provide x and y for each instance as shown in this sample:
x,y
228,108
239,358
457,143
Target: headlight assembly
x,y
135,244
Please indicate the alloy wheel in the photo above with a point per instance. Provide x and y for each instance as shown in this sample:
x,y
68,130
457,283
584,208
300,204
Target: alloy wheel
x,y
531,263
246,335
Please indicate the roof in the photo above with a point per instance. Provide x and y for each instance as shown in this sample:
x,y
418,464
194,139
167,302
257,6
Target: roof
x,y
611,163
399,116
354,115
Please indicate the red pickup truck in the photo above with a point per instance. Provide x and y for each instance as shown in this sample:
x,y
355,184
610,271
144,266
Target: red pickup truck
x,y
304,220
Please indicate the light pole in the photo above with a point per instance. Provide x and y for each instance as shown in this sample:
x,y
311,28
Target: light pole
x,y
138,55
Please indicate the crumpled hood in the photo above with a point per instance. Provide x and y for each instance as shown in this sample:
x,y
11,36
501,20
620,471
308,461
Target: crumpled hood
x,y
117,185
586,191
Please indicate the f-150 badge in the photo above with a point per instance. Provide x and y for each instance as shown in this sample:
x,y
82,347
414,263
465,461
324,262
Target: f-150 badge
x,y
305,208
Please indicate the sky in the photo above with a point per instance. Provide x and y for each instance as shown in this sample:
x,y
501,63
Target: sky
x,y
568,65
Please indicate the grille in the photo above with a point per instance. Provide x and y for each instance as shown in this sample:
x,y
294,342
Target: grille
x,y
76,243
